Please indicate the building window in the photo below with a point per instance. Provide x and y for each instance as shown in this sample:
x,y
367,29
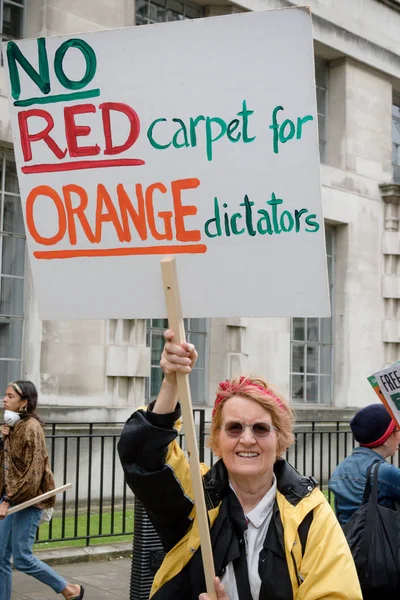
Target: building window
x,y
12,249
11,18
312,349
321,81
161,11
396,138
196,333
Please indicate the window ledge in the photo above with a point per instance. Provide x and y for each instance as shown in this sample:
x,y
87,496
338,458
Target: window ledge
x,y
390,192
395,4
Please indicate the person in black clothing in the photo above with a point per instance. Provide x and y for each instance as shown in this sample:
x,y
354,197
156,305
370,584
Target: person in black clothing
x,y
273,534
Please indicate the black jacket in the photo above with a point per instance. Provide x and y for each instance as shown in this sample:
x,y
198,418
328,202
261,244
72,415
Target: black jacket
x,y
143,448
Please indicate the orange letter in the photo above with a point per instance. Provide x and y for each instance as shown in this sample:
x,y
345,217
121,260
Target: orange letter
x,y
166,216
103,197
138,217
45,190
79,211
183,211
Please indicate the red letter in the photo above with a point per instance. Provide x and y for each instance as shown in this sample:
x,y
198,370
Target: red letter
x,y
45,190
138,217
72,130
182,235
27,138
106,107
79,211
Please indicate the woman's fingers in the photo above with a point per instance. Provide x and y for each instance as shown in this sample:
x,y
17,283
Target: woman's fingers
x,y
219,590
179,358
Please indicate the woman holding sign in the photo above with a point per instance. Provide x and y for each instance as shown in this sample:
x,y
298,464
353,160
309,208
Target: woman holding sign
x,y
274,536
25,473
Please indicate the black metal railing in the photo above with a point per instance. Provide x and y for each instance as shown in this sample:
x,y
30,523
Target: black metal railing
x,y
100,505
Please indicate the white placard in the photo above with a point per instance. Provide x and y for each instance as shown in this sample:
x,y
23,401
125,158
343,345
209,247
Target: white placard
x,y
387,385
194,138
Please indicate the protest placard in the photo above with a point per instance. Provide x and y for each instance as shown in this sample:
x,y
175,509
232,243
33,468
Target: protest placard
x,y
196,139
193,139
386,384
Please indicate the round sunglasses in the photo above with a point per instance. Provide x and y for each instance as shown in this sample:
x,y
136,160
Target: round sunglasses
x,y
235,429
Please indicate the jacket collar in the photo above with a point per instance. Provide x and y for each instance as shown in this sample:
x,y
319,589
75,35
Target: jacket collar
x,y
368,452
290,483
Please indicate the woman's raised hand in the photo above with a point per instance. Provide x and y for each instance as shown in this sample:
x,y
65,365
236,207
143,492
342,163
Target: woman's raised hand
x,y
176,358
219,589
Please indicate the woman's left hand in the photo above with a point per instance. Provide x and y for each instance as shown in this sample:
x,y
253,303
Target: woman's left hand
x,y
4,506
220,591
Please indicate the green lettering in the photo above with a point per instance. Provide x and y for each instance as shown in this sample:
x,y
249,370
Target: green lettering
x,y
41,79
152,140
234,228
290,224
264,218
182,130
233,125
226,222
312,223
285,138
297,216
249,216
90,59
300,123
216,219
193,123
275,128
274,202
245,113
209,135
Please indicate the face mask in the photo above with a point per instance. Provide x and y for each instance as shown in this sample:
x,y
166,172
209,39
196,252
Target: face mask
x,y
11,418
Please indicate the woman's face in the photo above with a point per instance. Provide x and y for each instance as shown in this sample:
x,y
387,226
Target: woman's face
x,y
12,400
247,456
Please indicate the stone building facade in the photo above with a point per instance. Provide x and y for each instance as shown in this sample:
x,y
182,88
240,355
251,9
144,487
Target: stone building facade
x,y
96,371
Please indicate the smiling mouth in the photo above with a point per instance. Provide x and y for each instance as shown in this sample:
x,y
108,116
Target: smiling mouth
x,y
247,454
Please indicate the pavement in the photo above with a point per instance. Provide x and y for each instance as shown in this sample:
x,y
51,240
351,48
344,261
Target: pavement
x,y
103,570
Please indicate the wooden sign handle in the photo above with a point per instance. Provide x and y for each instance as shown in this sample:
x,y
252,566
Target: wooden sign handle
x,y
38,499
175,318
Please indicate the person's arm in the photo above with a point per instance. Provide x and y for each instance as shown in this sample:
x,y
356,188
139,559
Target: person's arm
x,y
389,475
4,505
155,467
327,566
25,472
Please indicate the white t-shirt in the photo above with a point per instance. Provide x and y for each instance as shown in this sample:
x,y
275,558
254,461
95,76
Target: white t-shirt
x,y
258,522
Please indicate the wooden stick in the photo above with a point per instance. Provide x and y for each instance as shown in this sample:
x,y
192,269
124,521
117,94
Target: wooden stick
x,y
38,499
175,318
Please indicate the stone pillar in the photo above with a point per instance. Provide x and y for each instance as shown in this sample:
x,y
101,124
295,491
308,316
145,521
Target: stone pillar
x,y
127,361
391,271
359,120
359,146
